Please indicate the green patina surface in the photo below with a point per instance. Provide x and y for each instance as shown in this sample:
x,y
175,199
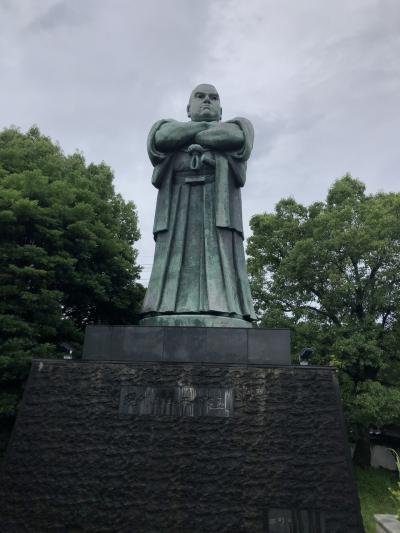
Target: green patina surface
x,y
199,274
196,320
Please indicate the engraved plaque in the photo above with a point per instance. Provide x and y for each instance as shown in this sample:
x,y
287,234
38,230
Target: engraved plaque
x,y
193,401
295,521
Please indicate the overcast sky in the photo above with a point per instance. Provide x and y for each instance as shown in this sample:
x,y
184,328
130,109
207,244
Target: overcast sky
x,y
320,80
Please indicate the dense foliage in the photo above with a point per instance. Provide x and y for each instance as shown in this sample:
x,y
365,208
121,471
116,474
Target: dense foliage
x,y
66,254
331,272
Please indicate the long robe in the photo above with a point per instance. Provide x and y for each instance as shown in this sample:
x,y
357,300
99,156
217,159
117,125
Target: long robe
x,y
199,264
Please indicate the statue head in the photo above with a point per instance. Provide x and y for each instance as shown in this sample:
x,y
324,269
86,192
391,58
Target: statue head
x,y
204,104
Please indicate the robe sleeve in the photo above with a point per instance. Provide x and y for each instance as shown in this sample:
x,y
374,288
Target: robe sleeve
x,y
159,160
238,159
161,178
248,131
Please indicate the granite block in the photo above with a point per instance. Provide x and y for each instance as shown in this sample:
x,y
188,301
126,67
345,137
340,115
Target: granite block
x,y
187,344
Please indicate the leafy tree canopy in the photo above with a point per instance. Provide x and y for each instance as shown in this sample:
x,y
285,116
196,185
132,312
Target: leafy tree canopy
x,y
66,254
331,272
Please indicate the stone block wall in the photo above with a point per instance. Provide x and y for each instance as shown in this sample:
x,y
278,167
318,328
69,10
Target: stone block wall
x,y
79,458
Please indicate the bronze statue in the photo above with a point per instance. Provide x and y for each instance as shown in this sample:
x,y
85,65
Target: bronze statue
x,y
199,275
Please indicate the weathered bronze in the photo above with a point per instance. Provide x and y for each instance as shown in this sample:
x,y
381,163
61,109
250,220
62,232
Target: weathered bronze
x,y
199,275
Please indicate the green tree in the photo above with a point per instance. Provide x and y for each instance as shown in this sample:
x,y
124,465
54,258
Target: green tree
x,y
66,254
331,273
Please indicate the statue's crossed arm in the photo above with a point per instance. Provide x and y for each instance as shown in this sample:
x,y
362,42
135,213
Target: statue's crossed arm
x,y
214,135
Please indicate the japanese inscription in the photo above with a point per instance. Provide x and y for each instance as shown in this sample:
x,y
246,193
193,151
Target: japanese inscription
x,y
191,401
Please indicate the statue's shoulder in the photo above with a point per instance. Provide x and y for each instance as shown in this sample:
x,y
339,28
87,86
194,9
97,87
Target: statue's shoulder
x,y
247,128
157,125
151,147
155,155
242,121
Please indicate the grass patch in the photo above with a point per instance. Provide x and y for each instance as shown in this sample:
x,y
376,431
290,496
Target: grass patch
x,y
373,490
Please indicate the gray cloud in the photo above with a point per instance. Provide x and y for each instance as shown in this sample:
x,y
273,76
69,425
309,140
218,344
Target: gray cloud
x,y
62,13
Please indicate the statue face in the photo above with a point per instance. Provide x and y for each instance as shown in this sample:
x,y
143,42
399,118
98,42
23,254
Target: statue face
x,y
204,104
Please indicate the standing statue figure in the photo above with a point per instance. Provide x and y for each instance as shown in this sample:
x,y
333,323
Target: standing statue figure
x,y
199,275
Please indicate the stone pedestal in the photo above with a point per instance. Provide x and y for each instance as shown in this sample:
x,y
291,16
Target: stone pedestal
x,y
171,446
187,344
